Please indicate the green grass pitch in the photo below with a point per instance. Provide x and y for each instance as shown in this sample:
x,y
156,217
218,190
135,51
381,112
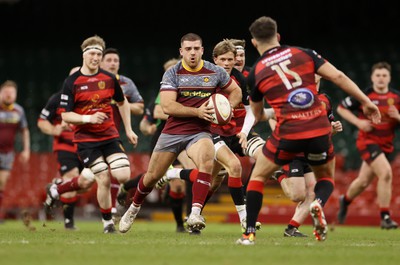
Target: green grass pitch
x,y
152,243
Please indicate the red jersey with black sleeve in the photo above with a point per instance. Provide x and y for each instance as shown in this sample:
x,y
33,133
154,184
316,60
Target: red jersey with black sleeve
x,y
52,113
239,112
87,95
383,133
284,77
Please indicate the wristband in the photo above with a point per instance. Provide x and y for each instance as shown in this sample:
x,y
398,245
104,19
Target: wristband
x,y
86,118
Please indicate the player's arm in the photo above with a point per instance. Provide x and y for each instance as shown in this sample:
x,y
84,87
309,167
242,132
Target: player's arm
x,y
26,144
75,118
124,110
331,73
348,115
234,93
159,113
48,128
136,108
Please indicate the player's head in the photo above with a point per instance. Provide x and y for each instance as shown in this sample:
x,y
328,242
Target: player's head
x,y
264,30
240,53
111,60
381,75
224,55
8,92
171,62
92,49
191,50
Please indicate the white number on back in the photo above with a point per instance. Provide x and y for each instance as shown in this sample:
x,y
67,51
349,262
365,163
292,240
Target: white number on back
x,y
282,70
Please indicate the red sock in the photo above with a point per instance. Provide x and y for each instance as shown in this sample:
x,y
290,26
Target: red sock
x,y
294,223
141,192
71,185
69,200
200,188
193,175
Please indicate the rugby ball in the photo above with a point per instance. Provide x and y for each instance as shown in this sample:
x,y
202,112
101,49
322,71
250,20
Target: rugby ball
x,y
222,109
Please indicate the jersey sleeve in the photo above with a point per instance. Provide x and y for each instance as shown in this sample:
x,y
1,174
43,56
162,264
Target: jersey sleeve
x,y
50,110
131,92
118,93
67,95
317,58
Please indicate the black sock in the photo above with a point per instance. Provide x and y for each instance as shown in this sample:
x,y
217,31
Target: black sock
x,y
237,195
177,209
384,214
132,183
185,174
189,196
253,207
68,210
323,190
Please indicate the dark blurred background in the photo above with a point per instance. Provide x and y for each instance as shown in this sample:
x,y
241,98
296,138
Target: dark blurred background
x,y
41,42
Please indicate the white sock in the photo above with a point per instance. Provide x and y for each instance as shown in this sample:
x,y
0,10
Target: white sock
x,y
173,173
54,192
134,208
196,210
107,222
241,210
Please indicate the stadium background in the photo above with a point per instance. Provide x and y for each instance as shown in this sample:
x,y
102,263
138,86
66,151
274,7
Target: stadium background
x,y
41,42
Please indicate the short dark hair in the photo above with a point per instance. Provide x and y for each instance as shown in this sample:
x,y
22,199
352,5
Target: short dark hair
x,y
111,51
191,37
263,28
381,65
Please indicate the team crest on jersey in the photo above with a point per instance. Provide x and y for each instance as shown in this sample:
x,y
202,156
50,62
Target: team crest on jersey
x,y
101,84
95,98
206,80
301,98
390,101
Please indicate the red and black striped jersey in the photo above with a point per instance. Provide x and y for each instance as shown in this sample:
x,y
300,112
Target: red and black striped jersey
x,y
87,95
383,133
246,71
52,113
193,88
285,77
239,112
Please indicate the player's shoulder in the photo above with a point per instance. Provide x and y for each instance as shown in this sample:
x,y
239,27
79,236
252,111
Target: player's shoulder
x,y
18,107
104,72
124,78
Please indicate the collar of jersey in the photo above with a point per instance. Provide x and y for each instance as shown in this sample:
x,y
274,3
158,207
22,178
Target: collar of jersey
x,y
8,107
190,69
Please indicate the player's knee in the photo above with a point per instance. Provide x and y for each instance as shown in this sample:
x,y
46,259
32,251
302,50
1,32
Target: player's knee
x,y
235,168
253,146
87,174
99,167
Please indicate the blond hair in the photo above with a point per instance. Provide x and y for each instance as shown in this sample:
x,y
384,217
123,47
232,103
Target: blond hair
x,y
94,40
